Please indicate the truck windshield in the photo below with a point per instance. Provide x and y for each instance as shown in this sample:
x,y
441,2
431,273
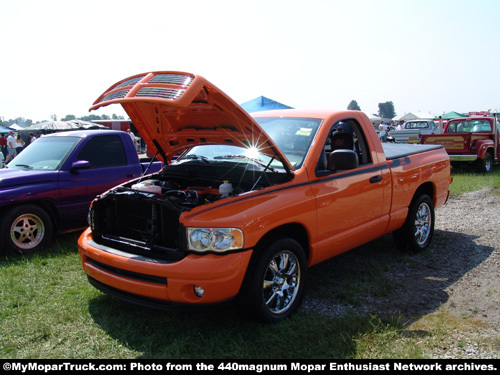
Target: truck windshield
x,y
46,153
292,135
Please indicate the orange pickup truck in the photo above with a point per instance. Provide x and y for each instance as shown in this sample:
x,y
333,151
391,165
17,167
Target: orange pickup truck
x,y
250,202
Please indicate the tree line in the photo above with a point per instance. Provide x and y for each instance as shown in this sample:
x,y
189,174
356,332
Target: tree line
x,y
385,110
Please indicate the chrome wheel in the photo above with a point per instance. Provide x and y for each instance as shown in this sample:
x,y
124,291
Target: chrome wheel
x,y
423,221
418,229
275,281
27,231
281,282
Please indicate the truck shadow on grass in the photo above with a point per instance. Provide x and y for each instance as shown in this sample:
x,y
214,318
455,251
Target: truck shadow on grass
x,y
346,297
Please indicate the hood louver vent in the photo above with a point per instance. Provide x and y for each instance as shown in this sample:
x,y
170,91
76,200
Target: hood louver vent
x,y
177,79
129,82
160,92
115,95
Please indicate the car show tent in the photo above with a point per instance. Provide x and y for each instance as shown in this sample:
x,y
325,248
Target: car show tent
x,y
451,115
417,116
46,127
262,103
4,129
52,126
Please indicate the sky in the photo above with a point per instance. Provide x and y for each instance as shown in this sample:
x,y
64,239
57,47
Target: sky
x,y
436,56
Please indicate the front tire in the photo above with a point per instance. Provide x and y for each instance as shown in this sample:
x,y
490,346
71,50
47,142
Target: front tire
x,y
25,229
416,233
485,165
275,282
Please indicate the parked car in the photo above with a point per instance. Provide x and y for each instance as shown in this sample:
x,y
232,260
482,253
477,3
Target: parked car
x,y
413,129
49,186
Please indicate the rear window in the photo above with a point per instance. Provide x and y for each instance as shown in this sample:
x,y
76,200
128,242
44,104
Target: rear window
x,y
469,126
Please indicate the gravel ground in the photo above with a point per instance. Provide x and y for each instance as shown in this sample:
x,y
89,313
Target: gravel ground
x,y
460,274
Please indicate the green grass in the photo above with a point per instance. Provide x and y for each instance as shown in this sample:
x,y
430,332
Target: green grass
x,y
49,310
466,180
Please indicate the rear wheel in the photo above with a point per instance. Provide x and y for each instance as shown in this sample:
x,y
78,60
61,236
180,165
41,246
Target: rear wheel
x,y
25,229
417,231
275,282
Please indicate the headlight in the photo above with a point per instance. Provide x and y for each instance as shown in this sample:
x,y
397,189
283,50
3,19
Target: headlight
x,y
214,239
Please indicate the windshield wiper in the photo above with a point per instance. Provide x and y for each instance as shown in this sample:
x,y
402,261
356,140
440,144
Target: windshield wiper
x,y
195,157
24,166
257,161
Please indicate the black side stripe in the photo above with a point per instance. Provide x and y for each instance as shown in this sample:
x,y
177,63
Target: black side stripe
x,y
355,172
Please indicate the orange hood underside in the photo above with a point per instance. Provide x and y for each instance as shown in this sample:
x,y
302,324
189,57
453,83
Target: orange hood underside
x,y
174,111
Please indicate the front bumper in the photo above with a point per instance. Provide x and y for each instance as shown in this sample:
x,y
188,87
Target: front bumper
x,y
155,282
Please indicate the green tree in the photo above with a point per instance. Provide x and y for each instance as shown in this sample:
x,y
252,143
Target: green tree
x,y
386,110
68,117
353,105
90,117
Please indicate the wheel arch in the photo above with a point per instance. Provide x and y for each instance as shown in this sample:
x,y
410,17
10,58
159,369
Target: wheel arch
x,y
426,188
47,206
295,231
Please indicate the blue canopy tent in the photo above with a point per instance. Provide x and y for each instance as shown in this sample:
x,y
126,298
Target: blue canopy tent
x,y
4,129
262,103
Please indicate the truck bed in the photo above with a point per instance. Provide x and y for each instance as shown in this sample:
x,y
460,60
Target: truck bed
x,y
400,150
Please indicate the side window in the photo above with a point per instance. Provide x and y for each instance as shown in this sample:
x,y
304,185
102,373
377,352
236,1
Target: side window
x,y
345,135
104,151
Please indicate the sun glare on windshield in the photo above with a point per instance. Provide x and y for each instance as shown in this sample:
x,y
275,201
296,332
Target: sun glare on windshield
x,y
252,152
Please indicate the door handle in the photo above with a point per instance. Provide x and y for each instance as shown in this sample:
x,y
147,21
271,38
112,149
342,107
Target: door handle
x,y
375,179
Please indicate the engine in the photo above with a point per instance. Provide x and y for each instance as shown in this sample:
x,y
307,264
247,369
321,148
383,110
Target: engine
x,y
142,217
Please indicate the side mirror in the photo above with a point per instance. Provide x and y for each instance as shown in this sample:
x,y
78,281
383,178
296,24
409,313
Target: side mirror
x,y
342,159
80,164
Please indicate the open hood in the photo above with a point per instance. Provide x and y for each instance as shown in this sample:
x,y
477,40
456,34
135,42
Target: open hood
x,y
174,111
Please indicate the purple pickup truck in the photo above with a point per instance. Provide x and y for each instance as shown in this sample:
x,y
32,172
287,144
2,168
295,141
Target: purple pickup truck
x,y
48,187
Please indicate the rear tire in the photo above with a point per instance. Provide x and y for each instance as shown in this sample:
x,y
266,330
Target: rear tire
x,y
25,229
416,233
275,282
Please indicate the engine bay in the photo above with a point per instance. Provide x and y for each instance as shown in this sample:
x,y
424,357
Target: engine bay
x,y
142,216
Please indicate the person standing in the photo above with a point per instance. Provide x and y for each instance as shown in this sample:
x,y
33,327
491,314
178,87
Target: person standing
x,y
3,145
133,137
383,132
19,144
11,147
